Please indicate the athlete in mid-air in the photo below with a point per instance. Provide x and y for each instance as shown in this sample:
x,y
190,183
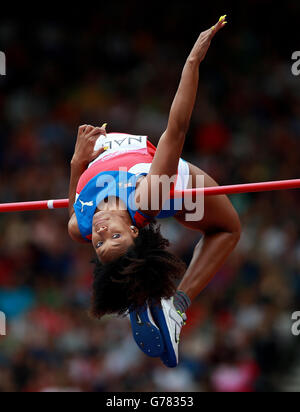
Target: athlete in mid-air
x,y
111,178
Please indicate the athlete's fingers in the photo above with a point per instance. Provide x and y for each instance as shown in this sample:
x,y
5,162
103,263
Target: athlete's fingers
x,y
81,130
97,153
103,129
89,129
94,134
221,23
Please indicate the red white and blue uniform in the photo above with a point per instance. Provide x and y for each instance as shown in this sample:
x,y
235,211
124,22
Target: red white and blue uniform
x,y
116,173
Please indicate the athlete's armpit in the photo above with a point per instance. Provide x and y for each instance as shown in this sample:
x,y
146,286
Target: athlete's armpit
x,y
164,166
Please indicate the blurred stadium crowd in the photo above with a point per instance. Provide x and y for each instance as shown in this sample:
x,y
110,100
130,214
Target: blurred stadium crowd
x,y
122,66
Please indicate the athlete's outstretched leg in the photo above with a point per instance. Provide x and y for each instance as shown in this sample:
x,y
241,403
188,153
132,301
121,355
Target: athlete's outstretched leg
x,y
221,229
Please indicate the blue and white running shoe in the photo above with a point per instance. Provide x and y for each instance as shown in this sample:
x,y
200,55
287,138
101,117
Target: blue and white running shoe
x,y
146,333
170,322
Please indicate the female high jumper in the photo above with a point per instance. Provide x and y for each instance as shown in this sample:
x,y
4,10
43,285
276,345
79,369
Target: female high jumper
x,y
113,173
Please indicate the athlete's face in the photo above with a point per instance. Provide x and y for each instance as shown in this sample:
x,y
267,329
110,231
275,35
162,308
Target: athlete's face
x,y
112,236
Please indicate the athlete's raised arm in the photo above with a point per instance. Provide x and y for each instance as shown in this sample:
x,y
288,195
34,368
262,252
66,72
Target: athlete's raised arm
x,y
171,143
184,101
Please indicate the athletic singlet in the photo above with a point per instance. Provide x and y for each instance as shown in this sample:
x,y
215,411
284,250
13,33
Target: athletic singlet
x,y
116,173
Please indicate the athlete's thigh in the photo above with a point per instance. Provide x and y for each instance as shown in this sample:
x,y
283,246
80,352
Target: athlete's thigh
x,y
219,213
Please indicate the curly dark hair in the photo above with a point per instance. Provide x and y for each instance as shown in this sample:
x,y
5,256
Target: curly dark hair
x,y
147,272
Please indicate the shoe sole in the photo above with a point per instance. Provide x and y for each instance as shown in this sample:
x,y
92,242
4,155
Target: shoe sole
x,y
168,356
146,334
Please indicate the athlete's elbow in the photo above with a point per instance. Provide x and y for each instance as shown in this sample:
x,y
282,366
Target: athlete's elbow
x,y
74,232
235,237
236,232
71,232
183,128
233,232
77,239
234,226
179,121
177,130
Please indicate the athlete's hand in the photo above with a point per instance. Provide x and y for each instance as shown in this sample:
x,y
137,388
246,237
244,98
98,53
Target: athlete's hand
x,y
204,41
85,145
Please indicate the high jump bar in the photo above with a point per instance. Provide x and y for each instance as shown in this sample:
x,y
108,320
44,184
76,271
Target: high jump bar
x,y
208,191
